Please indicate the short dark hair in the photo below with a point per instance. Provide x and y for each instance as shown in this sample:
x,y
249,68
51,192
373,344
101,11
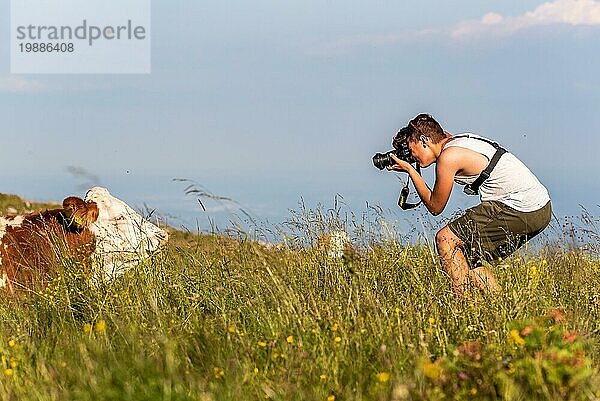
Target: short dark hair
x,y
425,125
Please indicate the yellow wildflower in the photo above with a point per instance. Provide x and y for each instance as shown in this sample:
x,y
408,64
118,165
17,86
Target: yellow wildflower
x,y
100,326
231,329
87,328
516,337
533,271
12,343
9,372
334,327
331,398
219,373
290,339
338,340
382,377
430,369
431,320
323,376
262,344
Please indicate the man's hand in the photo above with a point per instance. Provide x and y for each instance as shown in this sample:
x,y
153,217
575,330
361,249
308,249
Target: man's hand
x,y
401,165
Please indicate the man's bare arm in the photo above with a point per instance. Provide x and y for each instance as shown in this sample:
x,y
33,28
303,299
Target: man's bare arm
x,y
446,167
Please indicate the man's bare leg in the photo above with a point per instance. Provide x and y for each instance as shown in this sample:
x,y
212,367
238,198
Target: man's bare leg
x,y
455,264
483,277
452,259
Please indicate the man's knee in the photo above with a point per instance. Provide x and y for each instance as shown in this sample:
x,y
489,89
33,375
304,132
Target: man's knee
x,y
446,240
440,237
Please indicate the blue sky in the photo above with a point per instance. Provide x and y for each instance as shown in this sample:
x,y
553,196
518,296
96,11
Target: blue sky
x,y
266,102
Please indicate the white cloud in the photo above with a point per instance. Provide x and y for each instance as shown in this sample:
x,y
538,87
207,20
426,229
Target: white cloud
x,y
18,84
570,12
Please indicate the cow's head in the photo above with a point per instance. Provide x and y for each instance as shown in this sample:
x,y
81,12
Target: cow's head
x,y
123,237
79,213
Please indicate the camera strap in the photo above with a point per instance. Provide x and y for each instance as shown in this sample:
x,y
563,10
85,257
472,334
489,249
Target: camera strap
x,y
404,195
473,189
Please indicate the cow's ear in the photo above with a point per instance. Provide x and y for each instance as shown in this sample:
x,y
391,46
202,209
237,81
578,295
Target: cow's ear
x,y
80,212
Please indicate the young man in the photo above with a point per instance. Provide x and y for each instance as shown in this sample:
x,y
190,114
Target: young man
x,y
514,206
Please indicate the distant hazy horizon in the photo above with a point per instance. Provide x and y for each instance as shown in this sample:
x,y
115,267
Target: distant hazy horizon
x,y
272,203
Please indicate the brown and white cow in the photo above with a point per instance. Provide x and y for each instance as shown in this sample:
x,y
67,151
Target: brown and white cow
x,y
101,234
31,245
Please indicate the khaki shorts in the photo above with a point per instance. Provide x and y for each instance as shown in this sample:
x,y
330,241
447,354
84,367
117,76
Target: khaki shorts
x,y
493,230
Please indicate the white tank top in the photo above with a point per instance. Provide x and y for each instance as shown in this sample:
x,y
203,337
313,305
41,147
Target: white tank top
x,y
510,182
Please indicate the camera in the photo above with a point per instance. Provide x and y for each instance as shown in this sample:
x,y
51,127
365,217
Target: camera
x,y
401,151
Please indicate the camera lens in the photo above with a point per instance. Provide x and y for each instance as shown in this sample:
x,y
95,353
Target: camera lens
x,y
382,160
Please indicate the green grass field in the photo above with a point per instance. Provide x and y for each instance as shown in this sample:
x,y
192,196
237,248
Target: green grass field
x,y
217,318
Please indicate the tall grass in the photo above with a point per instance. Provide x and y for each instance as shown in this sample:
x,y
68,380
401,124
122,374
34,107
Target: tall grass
x,y
222,318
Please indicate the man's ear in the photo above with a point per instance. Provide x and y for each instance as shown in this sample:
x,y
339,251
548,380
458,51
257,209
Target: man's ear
x,y
79,212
